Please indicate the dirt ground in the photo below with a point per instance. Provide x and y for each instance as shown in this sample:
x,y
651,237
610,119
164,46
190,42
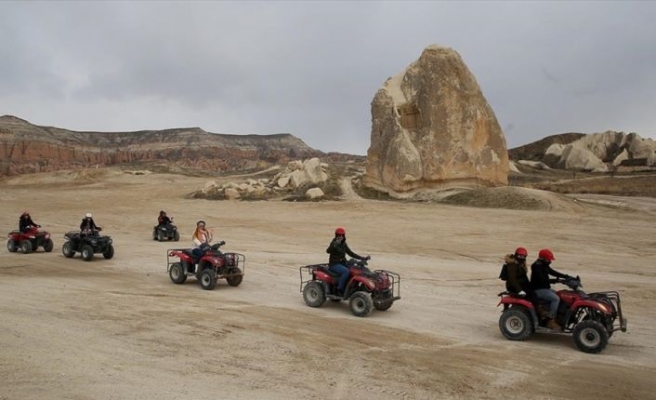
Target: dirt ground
x,y
120,329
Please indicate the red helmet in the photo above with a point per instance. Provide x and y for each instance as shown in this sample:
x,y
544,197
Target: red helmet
x,y
340,231
546,254
521,252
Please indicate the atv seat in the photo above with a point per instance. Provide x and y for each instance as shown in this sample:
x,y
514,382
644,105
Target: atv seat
x,y
327,270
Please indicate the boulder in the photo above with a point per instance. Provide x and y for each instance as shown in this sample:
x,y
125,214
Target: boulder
x,y
231,194
432,128
579,158
314,193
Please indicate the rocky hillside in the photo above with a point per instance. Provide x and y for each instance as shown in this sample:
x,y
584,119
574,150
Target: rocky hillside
x,y
27,148
598,152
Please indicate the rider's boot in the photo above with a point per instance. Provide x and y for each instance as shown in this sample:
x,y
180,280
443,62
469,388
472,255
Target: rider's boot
x,y
552,324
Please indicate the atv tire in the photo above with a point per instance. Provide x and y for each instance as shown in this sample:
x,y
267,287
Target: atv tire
x,y
207,279
48,246
160,236
515,324
26,246
11,246
314,294
590,336
176,236
361,304
233,279
383,305
177,273
87,252
67,250
109,252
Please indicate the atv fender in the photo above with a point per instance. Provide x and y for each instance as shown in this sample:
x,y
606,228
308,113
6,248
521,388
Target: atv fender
x,y
368,283
508,301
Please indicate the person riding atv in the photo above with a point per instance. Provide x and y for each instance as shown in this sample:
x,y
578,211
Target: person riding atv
x,y
338,249
88,226
163,219
540,284
25,222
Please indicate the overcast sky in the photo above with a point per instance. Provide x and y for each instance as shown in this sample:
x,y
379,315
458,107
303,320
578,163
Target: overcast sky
x,y
312,68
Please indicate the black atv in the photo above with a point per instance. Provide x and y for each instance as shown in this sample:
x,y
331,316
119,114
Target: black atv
x,y
87,244
166,232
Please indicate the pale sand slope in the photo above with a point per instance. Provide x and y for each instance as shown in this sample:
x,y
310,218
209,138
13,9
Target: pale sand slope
x,y
119,329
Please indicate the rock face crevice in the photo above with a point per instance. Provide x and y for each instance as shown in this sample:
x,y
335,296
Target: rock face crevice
x,y
28,148
432,128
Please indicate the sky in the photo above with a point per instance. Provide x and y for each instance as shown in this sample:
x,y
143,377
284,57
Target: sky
x,y
311,68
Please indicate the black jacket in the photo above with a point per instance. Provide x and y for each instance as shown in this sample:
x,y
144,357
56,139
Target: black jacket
x,y
540,271
163,220
338,252
25,222
87,223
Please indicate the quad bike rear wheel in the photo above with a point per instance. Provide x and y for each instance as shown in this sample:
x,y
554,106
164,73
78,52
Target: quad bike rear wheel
x,y
176,236
361,304
235,277
208,279
177,273
87,252
590,336
314,294
67,250
48,246
11,246
515,324
109,252
26,246
160,235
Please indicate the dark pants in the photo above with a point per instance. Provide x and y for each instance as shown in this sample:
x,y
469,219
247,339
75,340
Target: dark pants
x,y
344,272
197,253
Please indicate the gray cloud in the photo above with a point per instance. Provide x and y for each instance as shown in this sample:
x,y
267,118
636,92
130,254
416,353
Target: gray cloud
x,y
312,68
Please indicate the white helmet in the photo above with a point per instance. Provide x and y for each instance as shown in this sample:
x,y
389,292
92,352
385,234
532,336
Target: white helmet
x,y
88,215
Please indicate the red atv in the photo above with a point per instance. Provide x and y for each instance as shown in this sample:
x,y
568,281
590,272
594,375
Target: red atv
x,y
591,318
211,266
365,290
30,240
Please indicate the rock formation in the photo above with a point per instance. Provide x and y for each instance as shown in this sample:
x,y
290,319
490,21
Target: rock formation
x,y
595,152
432,128
304,176
26,148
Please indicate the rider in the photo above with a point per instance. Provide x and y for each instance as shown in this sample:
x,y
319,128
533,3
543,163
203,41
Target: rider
x,y
201,239
25,222
88,225
163,219
337,260
516,269
540,271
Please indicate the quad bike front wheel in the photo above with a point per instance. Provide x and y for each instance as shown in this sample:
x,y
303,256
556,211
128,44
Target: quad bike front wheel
x,y
207,279
590,336
176,236
234,277
11,246
26,246
160,236
87,252
314,294
515,324
67,250
109,252
177,273
361,304
48,246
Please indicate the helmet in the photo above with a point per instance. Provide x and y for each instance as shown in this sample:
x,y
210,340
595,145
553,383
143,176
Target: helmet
x,y
88,215
162,212
200,222
546,254
340,231
26,213
521,253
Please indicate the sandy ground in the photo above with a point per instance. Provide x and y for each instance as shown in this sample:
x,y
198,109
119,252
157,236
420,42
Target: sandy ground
x,y
120,329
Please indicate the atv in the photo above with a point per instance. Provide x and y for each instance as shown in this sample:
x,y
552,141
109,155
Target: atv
x,y
87,243
208,268
166,232
591,318
365,290
29,240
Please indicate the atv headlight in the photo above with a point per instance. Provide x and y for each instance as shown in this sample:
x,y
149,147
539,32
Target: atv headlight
x,y
604,308
94,242
31,237
48,236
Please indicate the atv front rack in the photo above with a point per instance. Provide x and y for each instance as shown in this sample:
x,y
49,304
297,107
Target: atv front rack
x,y
612,299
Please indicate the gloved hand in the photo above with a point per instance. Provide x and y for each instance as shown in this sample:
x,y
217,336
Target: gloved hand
x,y
221,243
522,293
367,258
